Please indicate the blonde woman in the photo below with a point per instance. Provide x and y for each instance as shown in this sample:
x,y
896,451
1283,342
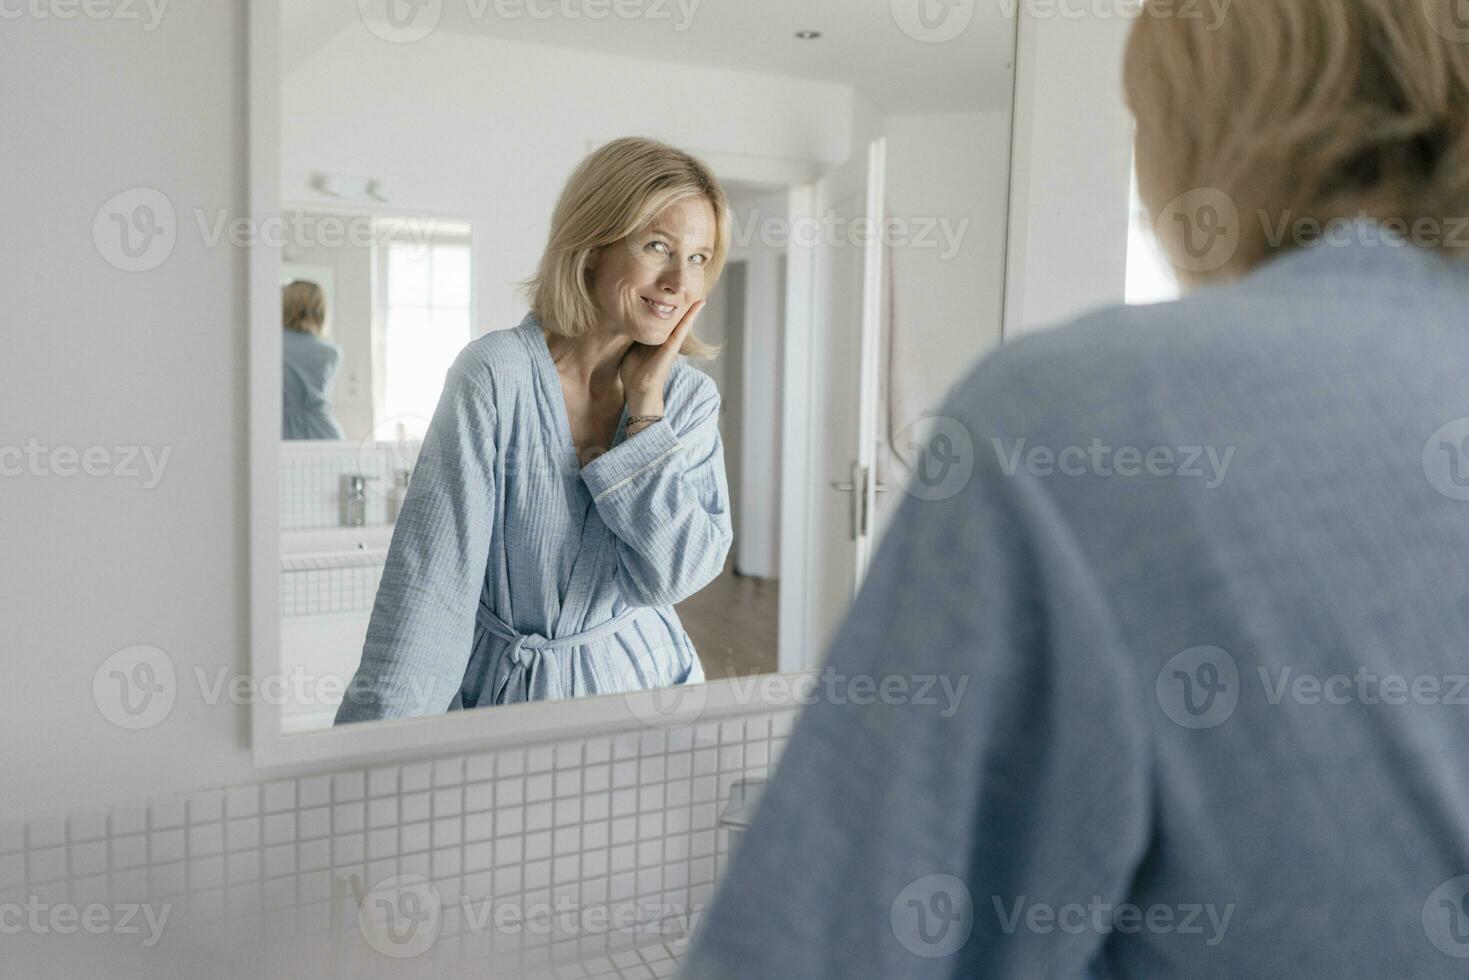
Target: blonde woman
x,y
1214,724
308,365
530,560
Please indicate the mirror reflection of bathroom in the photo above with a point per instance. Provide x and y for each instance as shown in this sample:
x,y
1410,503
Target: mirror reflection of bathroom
x,y
374,309
420,175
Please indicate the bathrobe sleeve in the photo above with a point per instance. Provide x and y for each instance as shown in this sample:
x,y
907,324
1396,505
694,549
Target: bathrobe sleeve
x,y
975,745
665,496
420,636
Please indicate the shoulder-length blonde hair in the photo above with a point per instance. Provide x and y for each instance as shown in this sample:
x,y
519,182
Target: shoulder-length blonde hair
x,y
303,307
616,192
1326,110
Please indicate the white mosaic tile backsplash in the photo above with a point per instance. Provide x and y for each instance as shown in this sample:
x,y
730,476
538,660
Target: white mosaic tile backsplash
x,y
312,586
604,849
312,475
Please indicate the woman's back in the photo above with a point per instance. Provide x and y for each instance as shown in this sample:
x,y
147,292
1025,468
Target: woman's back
x,y
308,366
1202,607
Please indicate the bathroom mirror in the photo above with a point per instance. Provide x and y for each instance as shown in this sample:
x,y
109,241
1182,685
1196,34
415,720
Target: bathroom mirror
x,y
416,154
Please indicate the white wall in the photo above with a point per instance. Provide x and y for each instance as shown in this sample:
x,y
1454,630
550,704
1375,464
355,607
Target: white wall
x,y
951,169
758,547
94,356
1072,163
489,130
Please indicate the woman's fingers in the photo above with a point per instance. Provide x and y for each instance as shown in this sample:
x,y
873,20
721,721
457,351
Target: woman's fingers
x,y
647,367
675,339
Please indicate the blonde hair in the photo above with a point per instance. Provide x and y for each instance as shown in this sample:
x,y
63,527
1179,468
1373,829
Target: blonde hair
x,y
1301,109
615,192
303,307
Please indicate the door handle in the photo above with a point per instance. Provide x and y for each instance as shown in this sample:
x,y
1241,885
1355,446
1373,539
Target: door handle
x,y
857,487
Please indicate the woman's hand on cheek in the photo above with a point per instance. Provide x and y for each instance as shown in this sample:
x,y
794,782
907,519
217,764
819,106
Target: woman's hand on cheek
x,y
644,369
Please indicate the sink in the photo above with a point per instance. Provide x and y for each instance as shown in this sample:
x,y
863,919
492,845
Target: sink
x,y
329,542
329,577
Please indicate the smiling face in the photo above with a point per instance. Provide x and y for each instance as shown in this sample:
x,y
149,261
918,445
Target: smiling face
x,y
644,284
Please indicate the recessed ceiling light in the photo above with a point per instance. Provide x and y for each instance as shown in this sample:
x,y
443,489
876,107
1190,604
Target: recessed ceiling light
x,y
808,35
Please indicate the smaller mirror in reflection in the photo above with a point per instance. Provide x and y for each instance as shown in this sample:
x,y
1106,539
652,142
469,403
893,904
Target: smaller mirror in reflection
x,y
374,310
309,363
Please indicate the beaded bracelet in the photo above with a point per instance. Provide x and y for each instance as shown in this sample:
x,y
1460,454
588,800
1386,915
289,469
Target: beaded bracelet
x,y
633,419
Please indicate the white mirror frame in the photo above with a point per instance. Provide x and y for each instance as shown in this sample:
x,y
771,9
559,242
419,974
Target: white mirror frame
x,y
508,725
1063,220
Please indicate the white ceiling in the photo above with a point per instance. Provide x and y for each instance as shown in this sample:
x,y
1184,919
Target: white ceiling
x,y
861,43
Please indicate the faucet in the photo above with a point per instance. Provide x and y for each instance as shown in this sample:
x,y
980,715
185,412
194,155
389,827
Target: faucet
x,y
744,794
354,499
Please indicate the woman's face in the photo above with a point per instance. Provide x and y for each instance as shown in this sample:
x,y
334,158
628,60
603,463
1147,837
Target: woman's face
x,y
644,284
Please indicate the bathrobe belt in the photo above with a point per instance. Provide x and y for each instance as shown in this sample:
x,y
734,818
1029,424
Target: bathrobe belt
x,y
517,672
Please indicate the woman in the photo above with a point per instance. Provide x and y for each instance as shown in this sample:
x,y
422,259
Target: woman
x,y
531,562
1214,718
308,365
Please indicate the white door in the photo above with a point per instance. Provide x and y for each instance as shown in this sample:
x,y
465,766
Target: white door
x,y
846,305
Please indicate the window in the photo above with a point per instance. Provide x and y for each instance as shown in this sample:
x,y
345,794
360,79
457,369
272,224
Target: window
x,y
1149,276
423,320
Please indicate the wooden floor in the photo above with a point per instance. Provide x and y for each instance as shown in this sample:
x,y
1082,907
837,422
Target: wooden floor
x,y
733,622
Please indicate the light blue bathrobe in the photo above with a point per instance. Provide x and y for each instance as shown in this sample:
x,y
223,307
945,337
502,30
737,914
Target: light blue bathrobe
x,y
516,575
1160,726
308,367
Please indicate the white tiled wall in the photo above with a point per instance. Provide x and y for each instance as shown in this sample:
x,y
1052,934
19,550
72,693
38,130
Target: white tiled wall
x,y
618,829
311,586
312,473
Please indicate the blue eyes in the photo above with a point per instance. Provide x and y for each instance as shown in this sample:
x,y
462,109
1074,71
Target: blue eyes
x,y
703,259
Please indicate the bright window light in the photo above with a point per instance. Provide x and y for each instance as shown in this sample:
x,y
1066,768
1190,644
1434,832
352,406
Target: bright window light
x,y
425,324
1149,276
